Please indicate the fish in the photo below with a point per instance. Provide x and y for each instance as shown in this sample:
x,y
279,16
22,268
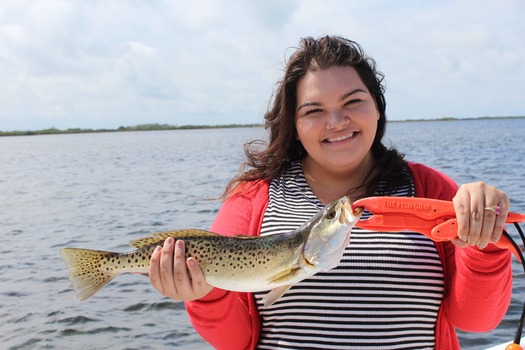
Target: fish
x,y
239,263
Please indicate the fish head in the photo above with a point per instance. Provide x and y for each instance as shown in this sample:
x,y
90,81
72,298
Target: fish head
x,y
330,234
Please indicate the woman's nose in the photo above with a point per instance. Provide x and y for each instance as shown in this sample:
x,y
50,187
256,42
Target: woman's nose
x,y
337,120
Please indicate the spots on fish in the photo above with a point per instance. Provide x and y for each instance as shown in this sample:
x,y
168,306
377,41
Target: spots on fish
x,y
139,258
214,255
107,262
219,257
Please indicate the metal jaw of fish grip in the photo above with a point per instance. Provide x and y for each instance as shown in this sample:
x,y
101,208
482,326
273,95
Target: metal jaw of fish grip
x,y
433,218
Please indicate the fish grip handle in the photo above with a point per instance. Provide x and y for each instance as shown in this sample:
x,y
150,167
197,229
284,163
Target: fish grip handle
x,y
448,230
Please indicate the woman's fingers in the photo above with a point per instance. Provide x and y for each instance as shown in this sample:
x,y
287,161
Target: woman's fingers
x,y
199,285
174,276
462,207
166,267
154,270
501,210
181,278
481,211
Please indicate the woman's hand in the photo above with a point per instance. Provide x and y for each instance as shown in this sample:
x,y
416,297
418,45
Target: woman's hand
x,y
478,225
174,276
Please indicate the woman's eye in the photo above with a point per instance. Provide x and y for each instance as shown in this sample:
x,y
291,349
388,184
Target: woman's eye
x,y
312,111
354,101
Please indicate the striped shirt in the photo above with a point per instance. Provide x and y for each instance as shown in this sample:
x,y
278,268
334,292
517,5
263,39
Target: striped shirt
x,y
385,294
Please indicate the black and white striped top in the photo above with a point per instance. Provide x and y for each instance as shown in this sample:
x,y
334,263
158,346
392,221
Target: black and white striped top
x,y
385,294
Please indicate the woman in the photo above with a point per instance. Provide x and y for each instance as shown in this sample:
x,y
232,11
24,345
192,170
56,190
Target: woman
x,y
391,290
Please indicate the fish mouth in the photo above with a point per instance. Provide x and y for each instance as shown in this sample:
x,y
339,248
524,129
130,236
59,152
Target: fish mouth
x,y
347,212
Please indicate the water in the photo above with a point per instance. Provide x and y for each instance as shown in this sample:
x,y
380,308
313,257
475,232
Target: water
x,y
104,190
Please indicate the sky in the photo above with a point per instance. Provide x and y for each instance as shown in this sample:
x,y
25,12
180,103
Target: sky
x,y
105,64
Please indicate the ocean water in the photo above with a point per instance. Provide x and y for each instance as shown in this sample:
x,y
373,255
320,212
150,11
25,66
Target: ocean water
x,y
101,191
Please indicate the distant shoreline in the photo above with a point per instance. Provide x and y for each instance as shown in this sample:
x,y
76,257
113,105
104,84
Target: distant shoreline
x,y
159,127
140,127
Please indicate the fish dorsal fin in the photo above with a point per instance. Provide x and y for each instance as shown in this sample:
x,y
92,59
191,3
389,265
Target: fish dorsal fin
x,y
159,237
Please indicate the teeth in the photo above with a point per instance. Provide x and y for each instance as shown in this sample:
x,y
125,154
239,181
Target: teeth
x,y
340,138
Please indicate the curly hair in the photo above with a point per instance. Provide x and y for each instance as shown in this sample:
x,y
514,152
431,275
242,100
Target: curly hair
x,y
265,161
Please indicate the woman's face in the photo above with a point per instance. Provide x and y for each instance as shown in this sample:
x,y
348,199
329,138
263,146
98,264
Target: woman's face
x,y
336,119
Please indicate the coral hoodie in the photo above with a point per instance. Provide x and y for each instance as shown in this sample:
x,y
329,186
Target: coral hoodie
x,y
478,284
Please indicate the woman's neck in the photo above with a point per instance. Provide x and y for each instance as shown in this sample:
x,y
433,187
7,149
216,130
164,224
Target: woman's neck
x,y
329,186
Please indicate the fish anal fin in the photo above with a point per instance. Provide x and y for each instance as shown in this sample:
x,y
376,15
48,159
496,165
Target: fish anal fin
x,y
274,295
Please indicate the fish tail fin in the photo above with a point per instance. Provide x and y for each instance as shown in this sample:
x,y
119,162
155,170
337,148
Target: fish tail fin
x,y
88,270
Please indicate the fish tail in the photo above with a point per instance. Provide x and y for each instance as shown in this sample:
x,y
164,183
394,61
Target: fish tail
x,y
88,270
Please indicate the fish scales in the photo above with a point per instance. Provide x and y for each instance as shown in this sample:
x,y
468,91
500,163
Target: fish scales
x,y
237,263
244,261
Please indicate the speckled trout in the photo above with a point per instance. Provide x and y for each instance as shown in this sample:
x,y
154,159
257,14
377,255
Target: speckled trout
x,y
240,263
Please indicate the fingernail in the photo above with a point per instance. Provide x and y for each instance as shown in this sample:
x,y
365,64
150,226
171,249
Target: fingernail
x,y
169,241
191,262
157,250
179,251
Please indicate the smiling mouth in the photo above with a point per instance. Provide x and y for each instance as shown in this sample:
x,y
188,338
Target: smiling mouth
x,y
340,138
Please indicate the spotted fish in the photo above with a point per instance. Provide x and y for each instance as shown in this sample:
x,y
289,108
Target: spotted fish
x,y
239,263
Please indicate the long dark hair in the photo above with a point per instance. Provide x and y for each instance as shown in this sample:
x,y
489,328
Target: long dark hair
x,y
265,161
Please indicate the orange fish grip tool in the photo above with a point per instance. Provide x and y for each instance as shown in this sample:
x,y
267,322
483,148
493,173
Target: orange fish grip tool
x,y
434,218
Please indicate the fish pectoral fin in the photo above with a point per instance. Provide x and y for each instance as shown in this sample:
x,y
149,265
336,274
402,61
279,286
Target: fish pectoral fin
x,y
285,275
275,294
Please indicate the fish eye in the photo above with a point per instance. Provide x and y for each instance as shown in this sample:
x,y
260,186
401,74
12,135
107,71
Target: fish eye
x,y
331,214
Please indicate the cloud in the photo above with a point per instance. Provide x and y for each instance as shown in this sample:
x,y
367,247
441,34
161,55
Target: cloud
x,y
106,64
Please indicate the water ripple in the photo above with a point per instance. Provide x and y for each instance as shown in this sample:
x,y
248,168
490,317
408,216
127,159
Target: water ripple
x,y
77,320
103,190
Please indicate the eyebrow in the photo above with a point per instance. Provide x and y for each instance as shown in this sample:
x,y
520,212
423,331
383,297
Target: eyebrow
x,y
344,97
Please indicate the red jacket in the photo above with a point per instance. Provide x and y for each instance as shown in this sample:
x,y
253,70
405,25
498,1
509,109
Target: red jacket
x,y
478,284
